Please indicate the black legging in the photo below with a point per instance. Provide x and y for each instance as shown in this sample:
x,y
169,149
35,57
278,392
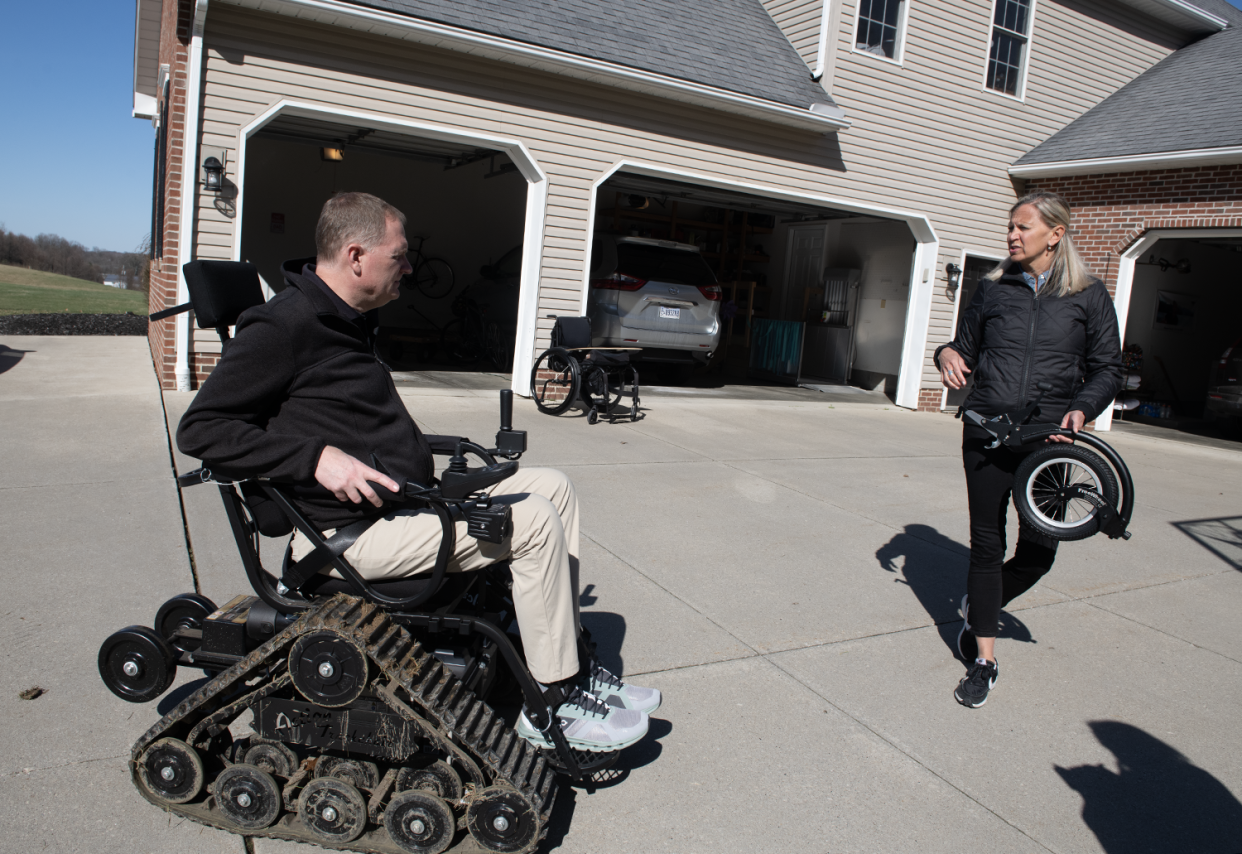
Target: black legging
x,y
994,582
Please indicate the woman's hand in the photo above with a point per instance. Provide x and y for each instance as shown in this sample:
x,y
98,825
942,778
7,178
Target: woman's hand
x,y
1074,421
953,368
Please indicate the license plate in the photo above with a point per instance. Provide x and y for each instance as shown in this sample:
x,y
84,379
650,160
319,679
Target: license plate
x,y
670,313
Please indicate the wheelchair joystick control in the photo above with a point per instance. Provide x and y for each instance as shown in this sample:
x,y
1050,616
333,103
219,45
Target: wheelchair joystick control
x,y
457,462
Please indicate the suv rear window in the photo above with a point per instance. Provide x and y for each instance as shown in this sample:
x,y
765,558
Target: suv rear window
x,y
675,266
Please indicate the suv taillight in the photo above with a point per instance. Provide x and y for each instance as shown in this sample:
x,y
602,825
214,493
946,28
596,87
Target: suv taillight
x,y
618,282
712,292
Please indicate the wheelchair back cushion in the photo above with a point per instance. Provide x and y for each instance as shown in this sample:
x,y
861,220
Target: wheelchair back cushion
x,y
221,290
572,333
267,514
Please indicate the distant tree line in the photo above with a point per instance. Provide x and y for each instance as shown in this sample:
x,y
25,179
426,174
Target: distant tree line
x,y
52,253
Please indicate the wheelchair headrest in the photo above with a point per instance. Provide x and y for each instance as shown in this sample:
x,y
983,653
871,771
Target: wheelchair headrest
x,y
221,290
572,333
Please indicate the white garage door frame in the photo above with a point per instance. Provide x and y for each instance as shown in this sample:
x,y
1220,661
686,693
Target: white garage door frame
x,y
536,199
1125,279
922,280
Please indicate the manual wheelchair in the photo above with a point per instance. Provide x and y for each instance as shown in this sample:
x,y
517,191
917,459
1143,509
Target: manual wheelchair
x,y
375,723
573,373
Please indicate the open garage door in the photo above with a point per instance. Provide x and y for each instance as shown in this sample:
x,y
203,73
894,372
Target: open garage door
x,y
466,210
804,293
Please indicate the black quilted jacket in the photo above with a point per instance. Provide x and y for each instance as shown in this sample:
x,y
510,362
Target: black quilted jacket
x,y
1013,340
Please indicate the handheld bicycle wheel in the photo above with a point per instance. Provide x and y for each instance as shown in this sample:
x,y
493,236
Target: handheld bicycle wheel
x,y
1047,485
433,277
554,381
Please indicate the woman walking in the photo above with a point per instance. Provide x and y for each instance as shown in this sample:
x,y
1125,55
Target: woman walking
x,y
1038,320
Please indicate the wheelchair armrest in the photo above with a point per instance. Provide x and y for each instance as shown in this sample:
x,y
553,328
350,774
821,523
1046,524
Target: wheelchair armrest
x,y
456,485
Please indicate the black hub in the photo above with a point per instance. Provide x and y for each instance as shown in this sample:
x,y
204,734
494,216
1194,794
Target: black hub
x,y
328,669
437,778
500,819
248,796
332,810
357,772
187,611
419,822
172,771
136,664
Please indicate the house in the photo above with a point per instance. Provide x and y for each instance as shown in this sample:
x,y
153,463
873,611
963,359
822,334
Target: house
x,y
784,137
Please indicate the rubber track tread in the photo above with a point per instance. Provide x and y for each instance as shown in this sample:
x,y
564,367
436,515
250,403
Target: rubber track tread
x,y
438,695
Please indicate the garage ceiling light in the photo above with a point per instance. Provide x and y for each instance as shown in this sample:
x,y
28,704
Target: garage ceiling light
x,y
336,154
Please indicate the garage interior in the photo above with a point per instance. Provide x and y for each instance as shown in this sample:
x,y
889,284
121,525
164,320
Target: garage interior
x,y
1185,310
811,296
467,205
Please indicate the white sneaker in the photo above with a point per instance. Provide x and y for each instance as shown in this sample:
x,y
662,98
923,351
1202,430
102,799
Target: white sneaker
x,y
589,724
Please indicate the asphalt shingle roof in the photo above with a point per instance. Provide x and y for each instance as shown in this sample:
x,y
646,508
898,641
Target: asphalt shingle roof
x,y
727,44
1190,100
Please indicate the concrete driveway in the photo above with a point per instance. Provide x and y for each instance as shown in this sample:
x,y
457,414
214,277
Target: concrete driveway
x,y
786,571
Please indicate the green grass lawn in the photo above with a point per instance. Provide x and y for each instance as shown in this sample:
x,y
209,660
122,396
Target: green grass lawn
x,y
25,291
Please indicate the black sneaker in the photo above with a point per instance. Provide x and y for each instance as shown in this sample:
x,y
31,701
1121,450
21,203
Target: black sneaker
x,y
973,690
967,646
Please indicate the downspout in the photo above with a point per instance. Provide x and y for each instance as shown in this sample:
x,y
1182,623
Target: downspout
x,y
189,190
821,55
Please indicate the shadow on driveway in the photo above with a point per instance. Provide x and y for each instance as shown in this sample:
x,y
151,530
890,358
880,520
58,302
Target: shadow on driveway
x,y
10,357
1222,537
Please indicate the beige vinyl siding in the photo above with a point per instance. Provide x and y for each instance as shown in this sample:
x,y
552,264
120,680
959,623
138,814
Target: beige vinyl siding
x,y
926,137
799,21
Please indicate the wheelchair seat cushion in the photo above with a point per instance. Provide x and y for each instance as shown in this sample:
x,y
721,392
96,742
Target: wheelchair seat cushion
x,y
607,360
397,588
572,333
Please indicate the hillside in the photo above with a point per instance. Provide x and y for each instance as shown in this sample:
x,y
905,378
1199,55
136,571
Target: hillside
x,y
25,291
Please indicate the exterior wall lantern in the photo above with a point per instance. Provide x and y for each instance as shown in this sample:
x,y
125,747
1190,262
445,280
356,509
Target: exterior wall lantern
x,y
954,272
213,172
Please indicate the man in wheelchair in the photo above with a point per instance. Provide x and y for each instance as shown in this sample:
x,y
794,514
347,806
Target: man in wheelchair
x,y
300,397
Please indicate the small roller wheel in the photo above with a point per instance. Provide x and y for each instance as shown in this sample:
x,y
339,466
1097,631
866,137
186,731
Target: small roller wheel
x,y
171,770
333,810
328,669
634,412
137,664
357,772
592,417
187,611
500,819
437,777
555,381
248,796
419,822
272,757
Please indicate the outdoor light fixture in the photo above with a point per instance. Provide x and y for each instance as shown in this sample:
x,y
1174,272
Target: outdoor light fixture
x,y
213,169
955,276
334,154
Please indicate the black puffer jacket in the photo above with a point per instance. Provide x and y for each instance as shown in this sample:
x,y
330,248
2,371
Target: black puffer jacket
x,y
300,375
1013,340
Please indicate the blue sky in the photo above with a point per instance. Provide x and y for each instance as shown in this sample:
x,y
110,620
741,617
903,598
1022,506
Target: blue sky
x,y
72,161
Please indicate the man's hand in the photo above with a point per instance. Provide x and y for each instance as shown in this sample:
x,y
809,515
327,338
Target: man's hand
x,y
1073,420
346,477
953,368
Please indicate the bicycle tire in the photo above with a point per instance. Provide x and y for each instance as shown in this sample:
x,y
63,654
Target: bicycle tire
x,y
434,278
562,377
1043,473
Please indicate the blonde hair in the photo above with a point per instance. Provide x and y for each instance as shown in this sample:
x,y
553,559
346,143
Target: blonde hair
x,y
352,218
1067,274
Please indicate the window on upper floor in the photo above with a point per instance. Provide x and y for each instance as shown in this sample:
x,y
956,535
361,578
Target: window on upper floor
x,y
880,28
1011,35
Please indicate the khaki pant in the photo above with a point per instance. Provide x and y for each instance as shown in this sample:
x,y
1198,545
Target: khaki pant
x,y
543,553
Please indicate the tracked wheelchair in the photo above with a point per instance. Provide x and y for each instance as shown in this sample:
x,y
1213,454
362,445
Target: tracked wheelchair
x,y
572,373
375,704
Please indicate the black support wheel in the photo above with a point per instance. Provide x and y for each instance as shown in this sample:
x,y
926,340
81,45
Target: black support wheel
x,y
248,796
328,669
554,381
186,611
419,822
273,757
137,664
357,772
333,810
437,778
171,770
500,819
1057,489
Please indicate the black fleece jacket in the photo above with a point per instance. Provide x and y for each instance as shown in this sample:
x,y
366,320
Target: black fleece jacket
x,y
300,375
1013,340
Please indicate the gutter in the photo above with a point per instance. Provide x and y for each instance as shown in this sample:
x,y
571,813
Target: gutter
x,y
821,53
824,118
189,189
1224,156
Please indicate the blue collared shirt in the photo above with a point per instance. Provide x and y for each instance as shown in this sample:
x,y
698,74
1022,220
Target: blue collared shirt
x,y
1035,284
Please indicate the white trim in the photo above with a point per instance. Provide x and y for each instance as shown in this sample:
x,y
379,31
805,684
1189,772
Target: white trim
x,y
821,52
1180,14
824,118
918,310
1223,156
1125,281
145,106
899,45
957,299
189,190
1024,71
536,203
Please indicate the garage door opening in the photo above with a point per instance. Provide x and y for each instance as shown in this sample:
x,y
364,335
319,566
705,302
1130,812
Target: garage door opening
x,y
807,295
466,210
1183,335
